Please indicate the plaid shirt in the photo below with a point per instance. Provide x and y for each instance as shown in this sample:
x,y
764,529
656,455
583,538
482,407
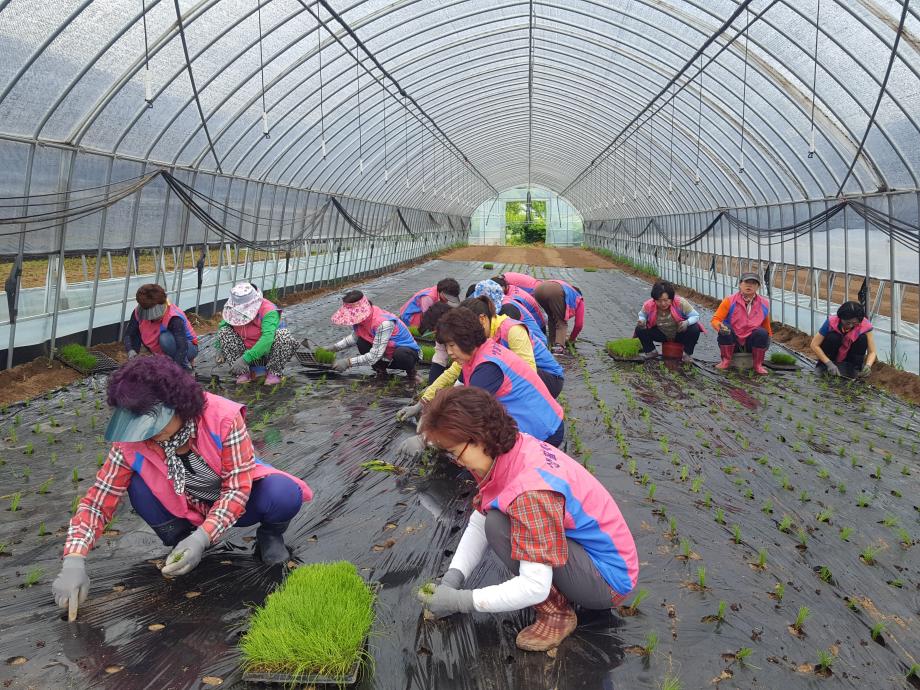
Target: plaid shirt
x,y
538,531
98,506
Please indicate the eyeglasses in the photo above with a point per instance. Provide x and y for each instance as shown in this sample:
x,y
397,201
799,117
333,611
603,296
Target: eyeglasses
x,y
456,458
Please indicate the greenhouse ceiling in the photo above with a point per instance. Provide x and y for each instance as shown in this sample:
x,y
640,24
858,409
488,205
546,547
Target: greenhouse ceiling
x,y
662,106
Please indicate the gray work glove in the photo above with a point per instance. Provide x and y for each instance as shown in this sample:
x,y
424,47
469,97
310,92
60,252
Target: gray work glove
x,y
72,578
408,412
332,348
187,553
220,359
831,368
411,447
446,601
453,579
240,366
724,328
641,325
341,364
132,354
864,372
682,326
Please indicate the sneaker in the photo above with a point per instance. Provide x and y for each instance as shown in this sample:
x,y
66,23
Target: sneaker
x,y
648,356
557,350
243,379
272,380
686,359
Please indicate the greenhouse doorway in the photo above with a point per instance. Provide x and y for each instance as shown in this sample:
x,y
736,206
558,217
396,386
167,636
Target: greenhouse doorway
x,y
523,215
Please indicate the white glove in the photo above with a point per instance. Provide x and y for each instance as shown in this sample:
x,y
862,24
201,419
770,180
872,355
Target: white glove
x,y
220,359
411,447
187,553
408,412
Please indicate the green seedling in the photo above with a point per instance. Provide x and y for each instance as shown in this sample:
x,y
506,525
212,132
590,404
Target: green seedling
x,y
804,497
696,485
802,536
427,353
79,447
684,473
45,486
800,618
868,555
845,533
27,473
36,428
15,499
761,558
685,548
863,501
841,488
742,654
904,538
823,473
672,527
178,557
41,529
651,644
785,524
644,480
701,577
825,661
316,622
377,465
905,471
670,682
665,445
720,516
890,521
488,267
75,475
29,449
825,573
624,347
651,492
779,591
78,356
98,404
74,505
913,672
736,533
825,515
640,597
767,507
876,631
707,499
32,577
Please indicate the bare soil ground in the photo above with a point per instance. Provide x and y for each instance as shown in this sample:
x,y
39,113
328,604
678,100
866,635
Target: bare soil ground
x,y
534,256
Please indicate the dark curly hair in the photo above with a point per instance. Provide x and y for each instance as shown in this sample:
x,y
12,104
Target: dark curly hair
x,y
851,310
150,295
663,287
448,286
465,413
481,306
145,381
431,317
500,279
462,327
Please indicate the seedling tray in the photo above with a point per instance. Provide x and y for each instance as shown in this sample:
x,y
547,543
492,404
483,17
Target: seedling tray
x,y
307,360
617,358
104,364
776,366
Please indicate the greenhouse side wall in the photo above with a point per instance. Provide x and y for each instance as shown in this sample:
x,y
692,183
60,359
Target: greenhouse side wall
x,y
813,256
74,280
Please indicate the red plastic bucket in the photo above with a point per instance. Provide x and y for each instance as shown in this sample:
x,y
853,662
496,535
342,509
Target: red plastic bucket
x,y
672,350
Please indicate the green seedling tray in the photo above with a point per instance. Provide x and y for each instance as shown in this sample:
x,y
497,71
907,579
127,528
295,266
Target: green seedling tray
x,y
308,361
776,366
307,680
104,364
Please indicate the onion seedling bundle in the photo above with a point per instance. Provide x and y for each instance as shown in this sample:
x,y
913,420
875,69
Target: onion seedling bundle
x,y
624,347
323,356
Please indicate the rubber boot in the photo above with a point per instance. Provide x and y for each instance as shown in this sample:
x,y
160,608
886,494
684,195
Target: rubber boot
x,y
555,621
727,351
272,379
413,377
270,546
173,531
757,355
380,367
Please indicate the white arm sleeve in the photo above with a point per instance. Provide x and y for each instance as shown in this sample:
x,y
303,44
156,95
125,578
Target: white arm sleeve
x,y
530,587
472,545
347,341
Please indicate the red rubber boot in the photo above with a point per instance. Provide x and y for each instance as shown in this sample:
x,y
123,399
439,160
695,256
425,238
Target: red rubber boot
x,y
757,354
727,351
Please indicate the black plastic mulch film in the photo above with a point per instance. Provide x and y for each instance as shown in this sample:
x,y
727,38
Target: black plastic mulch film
x,y
755,451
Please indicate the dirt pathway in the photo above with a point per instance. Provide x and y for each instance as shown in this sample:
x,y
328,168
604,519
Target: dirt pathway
x,y
535,256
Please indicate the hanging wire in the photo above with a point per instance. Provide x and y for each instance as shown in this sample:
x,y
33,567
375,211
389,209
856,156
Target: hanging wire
x,y
386,158
319,52
671,146
814,82
699,126
265,132
358,93
406,140
747,40
148,84
651,163
636,166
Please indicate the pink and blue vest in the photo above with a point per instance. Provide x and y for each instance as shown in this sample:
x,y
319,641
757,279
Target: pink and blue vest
x,y
522,280
212,427
252,331
411,312
650,309
367,329
572,298
523,394
850,336
592,517
532,327
528,301
742,323
542,356
151,330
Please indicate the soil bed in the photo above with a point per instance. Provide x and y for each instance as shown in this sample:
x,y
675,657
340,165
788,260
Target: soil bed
x,y
839,459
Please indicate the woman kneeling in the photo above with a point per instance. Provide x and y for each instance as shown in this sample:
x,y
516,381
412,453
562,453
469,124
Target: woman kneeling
x,y
548,519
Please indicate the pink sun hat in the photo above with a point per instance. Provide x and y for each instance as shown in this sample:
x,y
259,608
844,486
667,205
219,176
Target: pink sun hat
x,y
242,305
352,313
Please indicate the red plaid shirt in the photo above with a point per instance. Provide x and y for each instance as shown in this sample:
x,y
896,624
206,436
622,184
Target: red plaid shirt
x,y
98,506
538,531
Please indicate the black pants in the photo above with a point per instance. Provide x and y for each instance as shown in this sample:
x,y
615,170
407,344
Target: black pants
x,y
579,579
856,355
758,338
650,336
435,371
558,436
552,382
404,358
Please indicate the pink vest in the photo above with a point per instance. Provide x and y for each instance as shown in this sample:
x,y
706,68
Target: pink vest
x,y
742,323
522,392
651,313
150,330
411,312
522,280
522,295
213,425
572,298
401,337
252,331
849,337
592,517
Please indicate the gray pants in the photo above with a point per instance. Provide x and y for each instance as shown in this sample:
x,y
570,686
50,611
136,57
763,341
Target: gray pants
x,y
579,579
284,347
